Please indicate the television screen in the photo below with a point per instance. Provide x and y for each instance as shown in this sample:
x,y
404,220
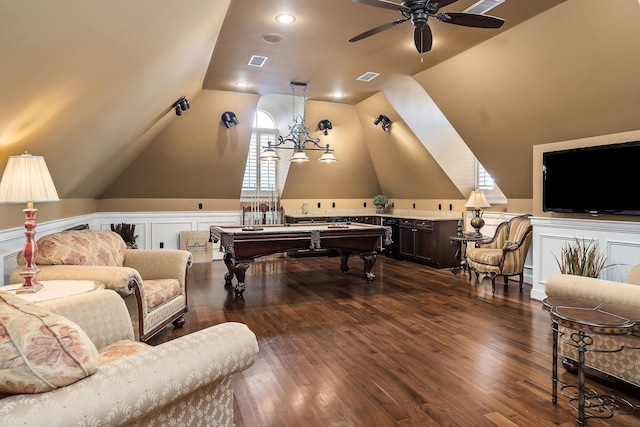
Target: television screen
x,y
593,180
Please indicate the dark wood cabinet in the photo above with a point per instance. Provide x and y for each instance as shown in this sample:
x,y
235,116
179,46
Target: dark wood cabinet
x,y
420,240
408,238
375,220
427,241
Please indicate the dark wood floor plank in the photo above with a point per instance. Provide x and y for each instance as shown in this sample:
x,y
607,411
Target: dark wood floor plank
x,y
419,347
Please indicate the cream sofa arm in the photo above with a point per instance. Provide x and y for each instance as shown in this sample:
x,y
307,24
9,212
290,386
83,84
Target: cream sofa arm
x,y
139,385
569,285
123,280
102,315
159,263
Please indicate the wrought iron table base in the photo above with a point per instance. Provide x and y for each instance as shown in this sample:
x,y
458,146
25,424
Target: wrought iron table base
x,y
569,313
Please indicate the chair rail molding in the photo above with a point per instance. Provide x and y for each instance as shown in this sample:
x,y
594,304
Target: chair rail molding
x,y
618,240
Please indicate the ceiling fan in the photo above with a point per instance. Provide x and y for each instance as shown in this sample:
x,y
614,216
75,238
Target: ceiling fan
x,y
419,11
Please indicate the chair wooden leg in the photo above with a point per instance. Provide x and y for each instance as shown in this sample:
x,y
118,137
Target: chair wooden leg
x,y
521,277
493,283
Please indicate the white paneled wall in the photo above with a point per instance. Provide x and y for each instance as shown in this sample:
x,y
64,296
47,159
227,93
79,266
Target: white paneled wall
x,y
618,240
152,228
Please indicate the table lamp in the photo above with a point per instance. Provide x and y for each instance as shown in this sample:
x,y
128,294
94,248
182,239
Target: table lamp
x,y
477,201
26,179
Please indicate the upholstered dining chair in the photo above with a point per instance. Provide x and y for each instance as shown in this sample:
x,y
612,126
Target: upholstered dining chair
x,y
505,254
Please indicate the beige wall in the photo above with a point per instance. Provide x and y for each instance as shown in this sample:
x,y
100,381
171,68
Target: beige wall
x,y
196,156
159,205
352,176
12,216
565,74
106,135
405,169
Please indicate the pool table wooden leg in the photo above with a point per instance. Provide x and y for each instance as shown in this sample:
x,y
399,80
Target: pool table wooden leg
x,y
369,259
344,260
237,269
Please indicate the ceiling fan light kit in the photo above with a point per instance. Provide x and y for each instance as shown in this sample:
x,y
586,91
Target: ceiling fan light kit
x,y
419,12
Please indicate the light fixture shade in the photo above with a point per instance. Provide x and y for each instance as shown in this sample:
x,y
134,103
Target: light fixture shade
x,y
327,157
269,155
299,157
477,200
27,179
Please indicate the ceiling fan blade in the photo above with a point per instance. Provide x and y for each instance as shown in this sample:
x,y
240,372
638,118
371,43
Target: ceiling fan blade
x,y
423,39
444,3
470,19
377,30
384,4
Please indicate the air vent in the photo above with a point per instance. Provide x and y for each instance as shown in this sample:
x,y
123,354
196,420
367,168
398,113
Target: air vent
x,y
483,6
257,61
368,76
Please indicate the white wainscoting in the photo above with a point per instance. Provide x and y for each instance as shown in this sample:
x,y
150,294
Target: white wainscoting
x,y
618,240
152,228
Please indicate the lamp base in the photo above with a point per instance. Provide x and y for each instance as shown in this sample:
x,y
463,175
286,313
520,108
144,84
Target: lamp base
x,y
30,284
30,289
477,223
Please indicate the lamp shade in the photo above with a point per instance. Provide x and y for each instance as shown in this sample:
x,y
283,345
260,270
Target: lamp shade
x,y
477,200
269,155
27,179
299,157
327,157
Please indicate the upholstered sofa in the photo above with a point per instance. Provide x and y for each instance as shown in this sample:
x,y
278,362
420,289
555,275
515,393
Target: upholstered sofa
x,y
624,365
184,382
153,283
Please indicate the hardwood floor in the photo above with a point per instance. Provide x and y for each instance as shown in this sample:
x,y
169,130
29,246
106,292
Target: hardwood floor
x,y
419,347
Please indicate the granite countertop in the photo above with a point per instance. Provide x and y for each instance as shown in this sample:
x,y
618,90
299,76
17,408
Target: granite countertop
x,y
392,213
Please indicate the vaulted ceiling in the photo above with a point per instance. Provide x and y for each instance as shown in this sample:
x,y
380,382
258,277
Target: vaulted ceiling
x,y
90,85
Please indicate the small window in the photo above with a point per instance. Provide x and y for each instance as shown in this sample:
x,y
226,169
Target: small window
x,y
485,182
260,177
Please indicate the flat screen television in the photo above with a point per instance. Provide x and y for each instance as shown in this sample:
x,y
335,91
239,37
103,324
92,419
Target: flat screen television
x,y
594,180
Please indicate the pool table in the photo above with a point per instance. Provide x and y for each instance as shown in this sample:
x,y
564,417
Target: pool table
x,y
242,244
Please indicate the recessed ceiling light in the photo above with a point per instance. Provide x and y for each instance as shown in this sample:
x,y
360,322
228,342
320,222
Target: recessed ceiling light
x,y
285,18
242,84
338,94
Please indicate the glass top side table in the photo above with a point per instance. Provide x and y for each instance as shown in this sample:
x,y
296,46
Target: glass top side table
x,y
587,317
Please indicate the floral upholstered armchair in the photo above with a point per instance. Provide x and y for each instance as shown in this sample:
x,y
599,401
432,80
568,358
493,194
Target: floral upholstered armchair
x,y
74,361
153,283
505,254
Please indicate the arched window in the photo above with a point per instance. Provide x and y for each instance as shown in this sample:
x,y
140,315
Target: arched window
x,y
259,183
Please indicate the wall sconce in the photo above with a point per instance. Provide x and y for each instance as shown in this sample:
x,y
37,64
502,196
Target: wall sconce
x,y
324,125
229,117
182,104
386,122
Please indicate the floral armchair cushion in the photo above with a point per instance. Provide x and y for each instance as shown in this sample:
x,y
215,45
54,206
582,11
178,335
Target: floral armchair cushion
x,y
40,350
83,247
